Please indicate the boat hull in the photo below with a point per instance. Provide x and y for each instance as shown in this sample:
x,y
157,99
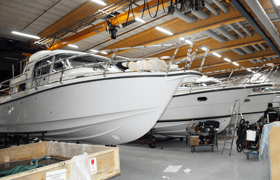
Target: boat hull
x,y
254,109
185,108
111,110
276,101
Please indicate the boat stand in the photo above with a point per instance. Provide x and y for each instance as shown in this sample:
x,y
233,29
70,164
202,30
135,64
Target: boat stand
x,y
151,140
22,137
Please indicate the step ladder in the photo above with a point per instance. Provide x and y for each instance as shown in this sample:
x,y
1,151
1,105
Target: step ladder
x,y
231,128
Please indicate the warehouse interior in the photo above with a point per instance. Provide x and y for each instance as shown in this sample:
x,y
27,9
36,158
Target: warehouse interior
x,y
139,89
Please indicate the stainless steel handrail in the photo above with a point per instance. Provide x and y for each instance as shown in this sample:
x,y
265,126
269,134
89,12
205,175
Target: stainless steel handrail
x,y
190,57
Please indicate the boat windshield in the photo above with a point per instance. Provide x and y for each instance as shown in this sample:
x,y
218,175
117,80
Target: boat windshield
x,y
78,61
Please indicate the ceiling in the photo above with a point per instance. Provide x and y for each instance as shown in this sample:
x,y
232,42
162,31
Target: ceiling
x,y
83,23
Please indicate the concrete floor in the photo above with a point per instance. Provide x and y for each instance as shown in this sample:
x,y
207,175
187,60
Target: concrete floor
x,y
138,161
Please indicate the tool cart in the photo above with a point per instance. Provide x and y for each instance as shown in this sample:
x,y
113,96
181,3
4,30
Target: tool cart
x,y
249,137
202,136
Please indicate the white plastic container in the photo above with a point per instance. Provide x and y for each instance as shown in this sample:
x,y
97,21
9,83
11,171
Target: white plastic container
x,y
251,135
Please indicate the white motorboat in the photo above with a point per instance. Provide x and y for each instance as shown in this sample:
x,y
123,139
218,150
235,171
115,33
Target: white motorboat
x,y
78,97
255,105
199,105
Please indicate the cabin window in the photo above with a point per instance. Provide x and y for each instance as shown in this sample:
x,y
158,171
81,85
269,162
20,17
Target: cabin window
x,y
44,70
247,100
202,98
78,61
21,87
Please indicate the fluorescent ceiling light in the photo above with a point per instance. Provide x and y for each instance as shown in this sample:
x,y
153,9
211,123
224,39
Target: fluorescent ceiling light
x,y
11,58
123,57
227,59
182,39
93,50
165,57
100,2
140,20
103,52
188,41
216,54
249,70
167,45
26,35
156,45
204,48
236,64
72,45
164,30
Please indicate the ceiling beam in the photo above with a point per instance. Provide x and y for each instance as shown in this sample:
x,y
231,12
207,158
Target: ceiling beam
x,y
214,46
180,28
242,61
245,10
202,25
277,62
82,11
100,27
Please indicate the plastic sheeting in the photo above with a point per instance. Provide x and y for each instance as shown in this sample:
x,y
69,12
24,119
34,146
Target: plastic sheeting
x,y
80,168
68,150
151,65
264,152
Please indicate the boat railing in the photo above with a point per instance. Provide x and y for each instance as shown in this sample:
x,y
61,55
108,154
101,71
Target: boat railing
x,y
37,78
9,86
7,81
197,87
62,71
188,60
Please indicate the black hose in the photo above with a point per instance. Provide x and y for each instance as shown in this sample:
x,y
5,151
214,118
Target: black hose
x,y
241,133
150,12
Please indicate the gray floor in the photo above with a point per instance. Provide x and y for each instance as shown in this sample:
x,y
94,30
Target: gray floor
x,y
138,161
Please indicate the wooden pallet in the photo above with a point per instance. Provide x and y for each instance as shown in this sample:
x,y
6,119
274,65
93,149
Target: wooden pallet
x,y
107,158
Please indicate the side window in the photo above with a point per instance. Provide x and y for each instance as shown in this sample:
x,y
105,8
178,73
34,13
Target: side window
x,y
57,66
202,98
44,70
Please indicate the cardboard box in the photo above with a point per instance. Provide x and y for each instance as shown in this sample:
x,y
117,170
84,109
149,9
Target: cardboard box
x,y
191,128
107,161
194,140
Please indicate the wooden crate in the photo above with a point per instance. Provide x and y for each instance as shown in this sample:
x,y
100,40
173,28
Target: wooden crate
x,y
108,162
274,147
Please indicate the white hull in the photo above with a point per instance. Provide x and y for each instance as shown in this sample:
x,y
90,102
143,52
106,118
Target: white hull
x,y
254,109
113,110
276,101
185,108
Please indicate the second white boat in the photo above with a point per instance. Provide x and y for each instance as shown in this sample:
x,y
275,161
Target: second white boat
x,y
201,105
